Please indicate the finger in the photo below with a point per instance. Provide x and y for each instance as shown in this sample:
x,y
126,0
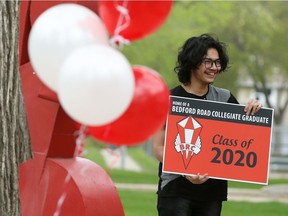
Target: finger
x,y
194,177
249,106
191,178
204,178
198,179
256,108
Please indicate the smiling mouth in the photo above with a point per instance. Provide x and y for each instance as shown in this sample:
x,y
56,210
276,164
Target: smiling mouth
x,y
211,73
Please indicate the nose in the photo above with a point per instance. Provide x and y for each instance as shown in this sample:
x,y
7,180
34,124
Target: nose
x,y
213,65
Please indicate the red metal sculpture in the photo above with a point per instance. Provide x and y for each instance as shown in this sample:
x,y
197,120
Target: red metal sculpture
x,y
55,182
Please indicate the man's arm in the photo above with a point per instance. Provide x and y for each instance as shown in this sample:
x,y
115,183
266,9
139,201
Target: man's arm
x,y
158,144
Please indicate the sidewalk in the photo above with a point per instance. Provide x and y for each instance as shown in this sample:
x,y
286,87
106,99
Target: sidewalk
x,y
273,193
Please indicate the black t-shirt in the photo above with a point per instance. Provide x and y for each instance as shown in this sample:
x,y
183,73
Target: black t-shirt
x,y
180,91
212,189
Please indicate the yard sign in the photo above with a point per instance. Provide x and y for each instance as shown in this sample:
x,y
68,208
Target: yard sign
x,y
218,139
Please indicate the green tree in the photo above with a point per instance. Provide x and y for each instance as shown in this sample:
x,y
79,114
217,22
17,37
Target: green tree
x,y
257,37
255,33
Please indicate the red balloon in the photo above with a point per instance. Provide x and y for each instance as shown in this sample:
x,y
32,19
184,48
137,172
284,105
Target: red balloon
x,y
145,115
143,17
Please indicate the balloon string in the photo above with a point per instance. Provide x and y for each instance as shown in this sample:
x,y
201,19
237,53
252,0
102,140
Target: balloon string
x,y
124,14
122,23
81,135
63,196
114,161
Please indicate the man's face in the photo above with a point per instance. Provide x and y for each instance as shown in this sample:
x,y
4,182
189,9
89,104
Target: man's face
x,y
208,69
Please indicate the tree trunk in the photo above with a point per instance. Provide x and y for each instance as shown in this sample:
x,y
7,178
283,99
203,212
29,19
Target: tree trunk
x,y
15,146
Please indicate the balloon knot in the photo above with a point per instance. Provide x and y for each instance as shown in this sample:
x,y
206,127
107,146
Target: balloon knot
x,y
117,41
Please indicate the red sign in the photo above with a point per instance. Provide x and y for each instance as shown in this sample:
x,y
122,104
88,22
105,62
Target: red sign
x,y
218,139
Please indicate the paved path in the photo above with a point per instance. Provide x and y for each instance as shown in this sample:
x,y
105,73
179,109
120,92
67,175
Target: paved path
x,y
277,193
119,159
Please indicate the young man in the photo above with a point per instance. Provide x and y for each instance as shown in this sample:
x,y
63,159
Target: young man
x,y
199,62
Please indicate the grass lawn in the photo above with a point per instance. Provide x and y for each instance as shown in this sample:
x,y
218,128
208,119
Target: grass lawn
x,y
254,209
149,166
137,203
141,203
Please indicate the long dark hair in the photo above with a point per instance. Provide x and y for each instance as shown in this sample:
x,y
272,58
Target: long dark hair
x,y
192,52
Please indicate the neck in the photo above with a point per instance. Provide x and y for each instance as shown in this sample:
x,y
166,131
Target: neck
x,y
196,89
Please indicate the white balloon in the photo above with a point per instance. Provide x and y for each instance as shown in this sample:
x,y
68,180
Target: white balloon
x,y
56,33
96,85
